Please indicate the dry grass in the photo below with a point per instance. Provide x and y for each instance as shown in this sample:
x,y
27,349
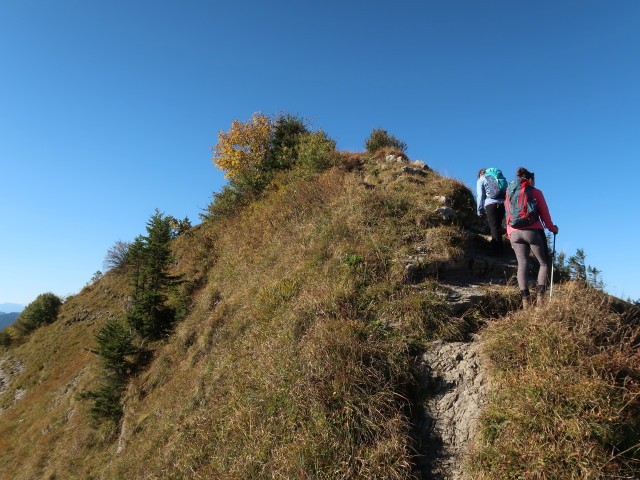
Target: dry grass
x,y
295,360
46,431
297,356
567,397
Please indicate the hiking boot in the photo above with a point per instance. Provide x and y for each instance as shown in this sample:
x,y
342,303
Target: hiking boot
x,y
541,295
526,300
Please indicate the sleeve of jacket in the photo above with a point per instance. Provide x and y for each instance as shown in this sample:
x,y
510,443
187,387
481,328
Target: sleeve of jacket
x,y
480,195
543,211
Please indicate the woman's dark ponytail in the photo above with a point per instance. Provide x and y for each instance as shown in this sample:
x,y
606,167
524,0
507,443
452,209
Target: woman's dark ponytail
x,y
524,173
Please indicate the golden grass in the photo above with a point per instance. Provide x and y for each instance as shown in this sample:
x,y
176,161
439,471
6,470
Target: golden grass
x,y
567,398
297,356
294,361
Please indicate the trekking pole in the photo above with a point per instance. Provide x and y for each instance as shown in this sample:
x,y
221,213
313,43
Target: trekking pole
x,y
553,261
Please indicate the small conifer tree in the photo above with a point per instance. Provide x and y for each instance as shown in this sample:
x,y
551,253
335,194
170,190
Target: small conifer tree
x,y
288,131
149,259
115,347
577,268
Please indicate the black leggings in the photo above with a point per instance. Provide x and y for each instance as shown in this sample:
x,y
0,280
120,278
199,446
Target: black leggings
x,y
526,240
495,215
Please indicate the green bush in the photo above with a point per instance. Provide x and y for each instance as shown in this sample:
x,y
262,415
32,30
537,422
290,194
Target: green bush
x,y
380,138
315,151
43,309
5,338
288,131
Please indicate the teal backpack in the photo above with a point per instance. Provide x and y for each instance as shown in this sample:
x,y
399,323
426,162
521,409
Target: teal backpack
x,y
522,210
496,183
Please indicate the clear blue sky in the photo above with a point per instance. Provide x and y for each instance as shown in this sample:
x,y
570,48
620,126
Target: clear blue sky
x,y
108,110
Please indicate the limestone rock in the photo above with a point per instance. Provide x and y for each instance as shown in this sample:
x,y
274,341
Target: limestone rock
x,y
411,273
447,213
420,164
442,200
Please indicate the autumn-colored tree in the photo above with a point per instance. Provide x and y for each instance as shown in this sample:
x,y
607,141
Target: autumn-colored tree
x,y
242,151
253,152
116,256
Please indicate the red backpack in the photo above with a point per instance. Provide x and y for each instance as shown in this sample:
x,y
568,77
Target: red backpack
x,y
522,210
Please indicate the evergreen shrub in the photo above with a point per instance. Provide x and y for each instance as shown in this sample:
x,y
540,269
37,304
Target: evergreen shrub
x,y
380,138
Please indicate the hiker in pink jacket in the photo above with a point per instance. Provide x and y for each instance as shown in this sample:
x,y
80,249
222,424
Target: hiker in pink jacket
x,y
527,217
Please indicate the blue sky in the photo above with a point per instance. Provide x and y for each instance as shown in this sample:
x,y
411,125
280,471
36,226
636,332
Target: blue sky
x,y
108,110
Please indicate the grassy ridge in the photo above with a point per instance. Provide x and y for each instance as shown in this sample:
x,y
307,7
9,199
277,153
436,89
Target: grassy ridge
x,y
297,358
304,363
295,361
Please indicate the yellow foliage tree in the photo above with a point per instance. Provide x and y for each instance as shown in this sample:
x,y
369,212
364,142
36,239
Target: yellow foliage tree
x,y
242,150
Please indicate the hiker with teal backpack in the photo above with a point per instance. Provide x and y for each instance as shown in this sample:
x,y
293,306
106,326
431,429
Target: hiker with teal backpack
x,y
491,189
527,217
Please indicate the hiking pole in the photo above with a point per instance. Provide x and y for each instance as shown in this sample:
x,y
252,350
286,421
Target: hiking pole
x,y
553,261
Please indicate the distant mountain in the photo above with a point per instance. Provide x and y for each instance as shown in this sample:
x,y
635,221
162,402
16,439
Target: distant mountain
x,y
8,318
10,307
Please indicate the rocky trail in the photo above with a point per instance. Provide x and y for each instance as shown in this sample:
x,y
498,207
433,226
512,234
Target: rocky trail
x,y
454,382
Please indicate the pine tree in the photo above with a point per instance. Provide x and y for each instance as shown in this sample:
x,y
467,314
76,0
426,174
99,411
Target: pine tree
x,y
577,268
150,259
595,277
114,346
106,399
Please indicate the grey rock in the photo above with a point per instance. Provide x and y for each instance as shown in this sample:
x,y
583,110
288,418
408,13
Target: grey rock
x,y
412,171
462,297
447,213
420,164
411,273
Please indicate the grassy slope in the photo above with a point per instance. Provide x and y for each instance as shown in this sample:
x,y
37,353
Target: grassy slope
x,y
566,401
296,360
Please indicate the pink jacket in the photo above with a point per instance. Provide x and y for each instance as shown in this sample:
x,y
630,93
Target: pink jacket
x,y
544,219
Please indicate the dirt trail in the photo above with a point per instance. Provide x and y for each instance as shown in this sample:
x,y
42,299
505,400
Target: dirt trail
x,y
454,379
456,386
